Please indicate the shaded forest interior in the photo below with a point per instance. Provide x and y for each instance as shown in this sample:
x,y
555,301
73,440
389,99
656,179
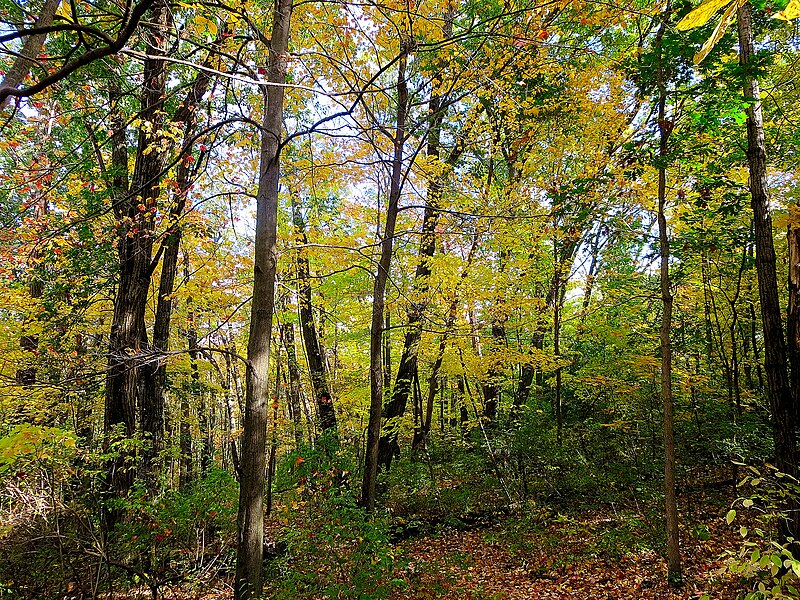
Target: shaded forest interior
x,y
436,299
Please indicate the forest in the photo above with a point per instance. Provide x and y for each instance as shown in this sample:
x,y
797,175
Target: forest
x,y
389,299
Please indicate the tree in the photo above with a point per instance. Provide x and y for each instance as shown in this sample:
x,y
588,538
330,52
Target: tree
x,y
248,583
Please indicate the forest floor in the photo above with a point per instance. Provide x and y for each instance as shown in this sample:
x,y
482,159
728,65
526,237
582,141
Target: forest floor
x,y
594,554
600,554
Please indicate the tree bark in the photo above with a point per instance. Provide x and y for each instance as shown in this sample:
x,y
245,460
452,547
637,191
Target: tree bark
x,y
379,290
670,496
316,362
793,316
154,372
134,208
775,354
293,391
250,521
30,50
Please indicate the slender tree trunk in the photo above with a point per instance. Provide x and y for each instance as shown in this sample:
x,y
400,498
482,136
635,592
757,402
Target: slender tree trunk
x,y
314,355
670,496
378,294
396,406
273,428
293,391
775,354
387,351
248,583
793,316
421,438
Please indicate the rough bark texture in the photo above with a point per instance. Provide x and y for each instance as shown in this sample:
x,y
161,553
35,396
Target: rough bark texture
x,y
134,208
775,355
378,296
793,317
154,372
248,582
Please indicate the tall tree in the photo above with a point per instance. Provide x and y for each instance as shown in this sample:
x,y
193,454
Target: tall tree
x,y
248,583
379,285
665,127
775,354
134,207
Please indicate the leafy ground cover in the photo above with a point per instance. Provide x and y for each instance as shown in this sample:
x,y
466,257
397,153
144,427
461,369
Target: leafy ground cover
x,y
600,554
607,552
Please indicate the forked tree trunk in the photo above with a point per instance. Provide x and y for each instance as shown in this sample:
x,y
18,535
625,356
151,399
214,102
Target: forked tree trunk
x,y
378,294
250,522
134,209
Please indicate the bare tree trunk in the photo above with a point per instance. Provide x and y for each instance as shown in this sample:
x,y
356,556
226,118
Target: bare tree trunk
x,y
316,363
670,497
293,391
154,372
775,354
248,583
273,427
379,290
793,316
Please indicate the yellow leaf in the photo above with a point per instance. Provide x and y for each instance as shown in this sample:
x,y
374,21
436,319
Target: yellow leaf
x,y
212,27
64,10
701,15
719,31
791,12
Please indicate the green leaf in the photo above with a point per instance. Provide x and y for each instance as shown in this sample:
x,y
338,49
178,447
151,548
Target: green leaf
x,y
730,516
701,15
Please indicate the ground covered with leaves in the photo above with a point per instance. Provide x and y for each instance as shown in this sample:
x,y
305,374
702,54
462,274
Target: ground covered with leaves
x,y
599,554
608,552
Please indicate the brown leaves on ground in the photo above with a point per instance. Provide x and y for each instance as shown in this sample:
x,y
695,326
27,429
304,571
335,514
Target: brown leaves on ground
x,y
602,554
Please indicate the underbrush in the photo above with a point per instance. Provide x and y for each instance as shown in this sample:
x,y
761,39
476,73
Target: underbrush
x,y
52,540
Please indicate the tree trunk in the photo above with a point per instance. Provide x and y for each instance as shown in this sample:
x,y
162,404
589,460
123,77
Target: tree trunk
x,y
250,521
793,316
378,294
775,359
670,497
154,372
316,362
134,208
425,428
30,50
293,390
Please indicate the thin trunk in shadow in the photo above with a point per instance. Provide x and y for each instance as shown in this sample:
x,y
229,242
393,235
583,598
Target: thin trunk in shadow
x,y
308,326
379,289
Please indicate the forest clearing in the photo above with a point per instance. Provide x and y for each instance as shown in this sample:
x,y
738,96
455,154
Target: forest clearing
x,y
399,299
